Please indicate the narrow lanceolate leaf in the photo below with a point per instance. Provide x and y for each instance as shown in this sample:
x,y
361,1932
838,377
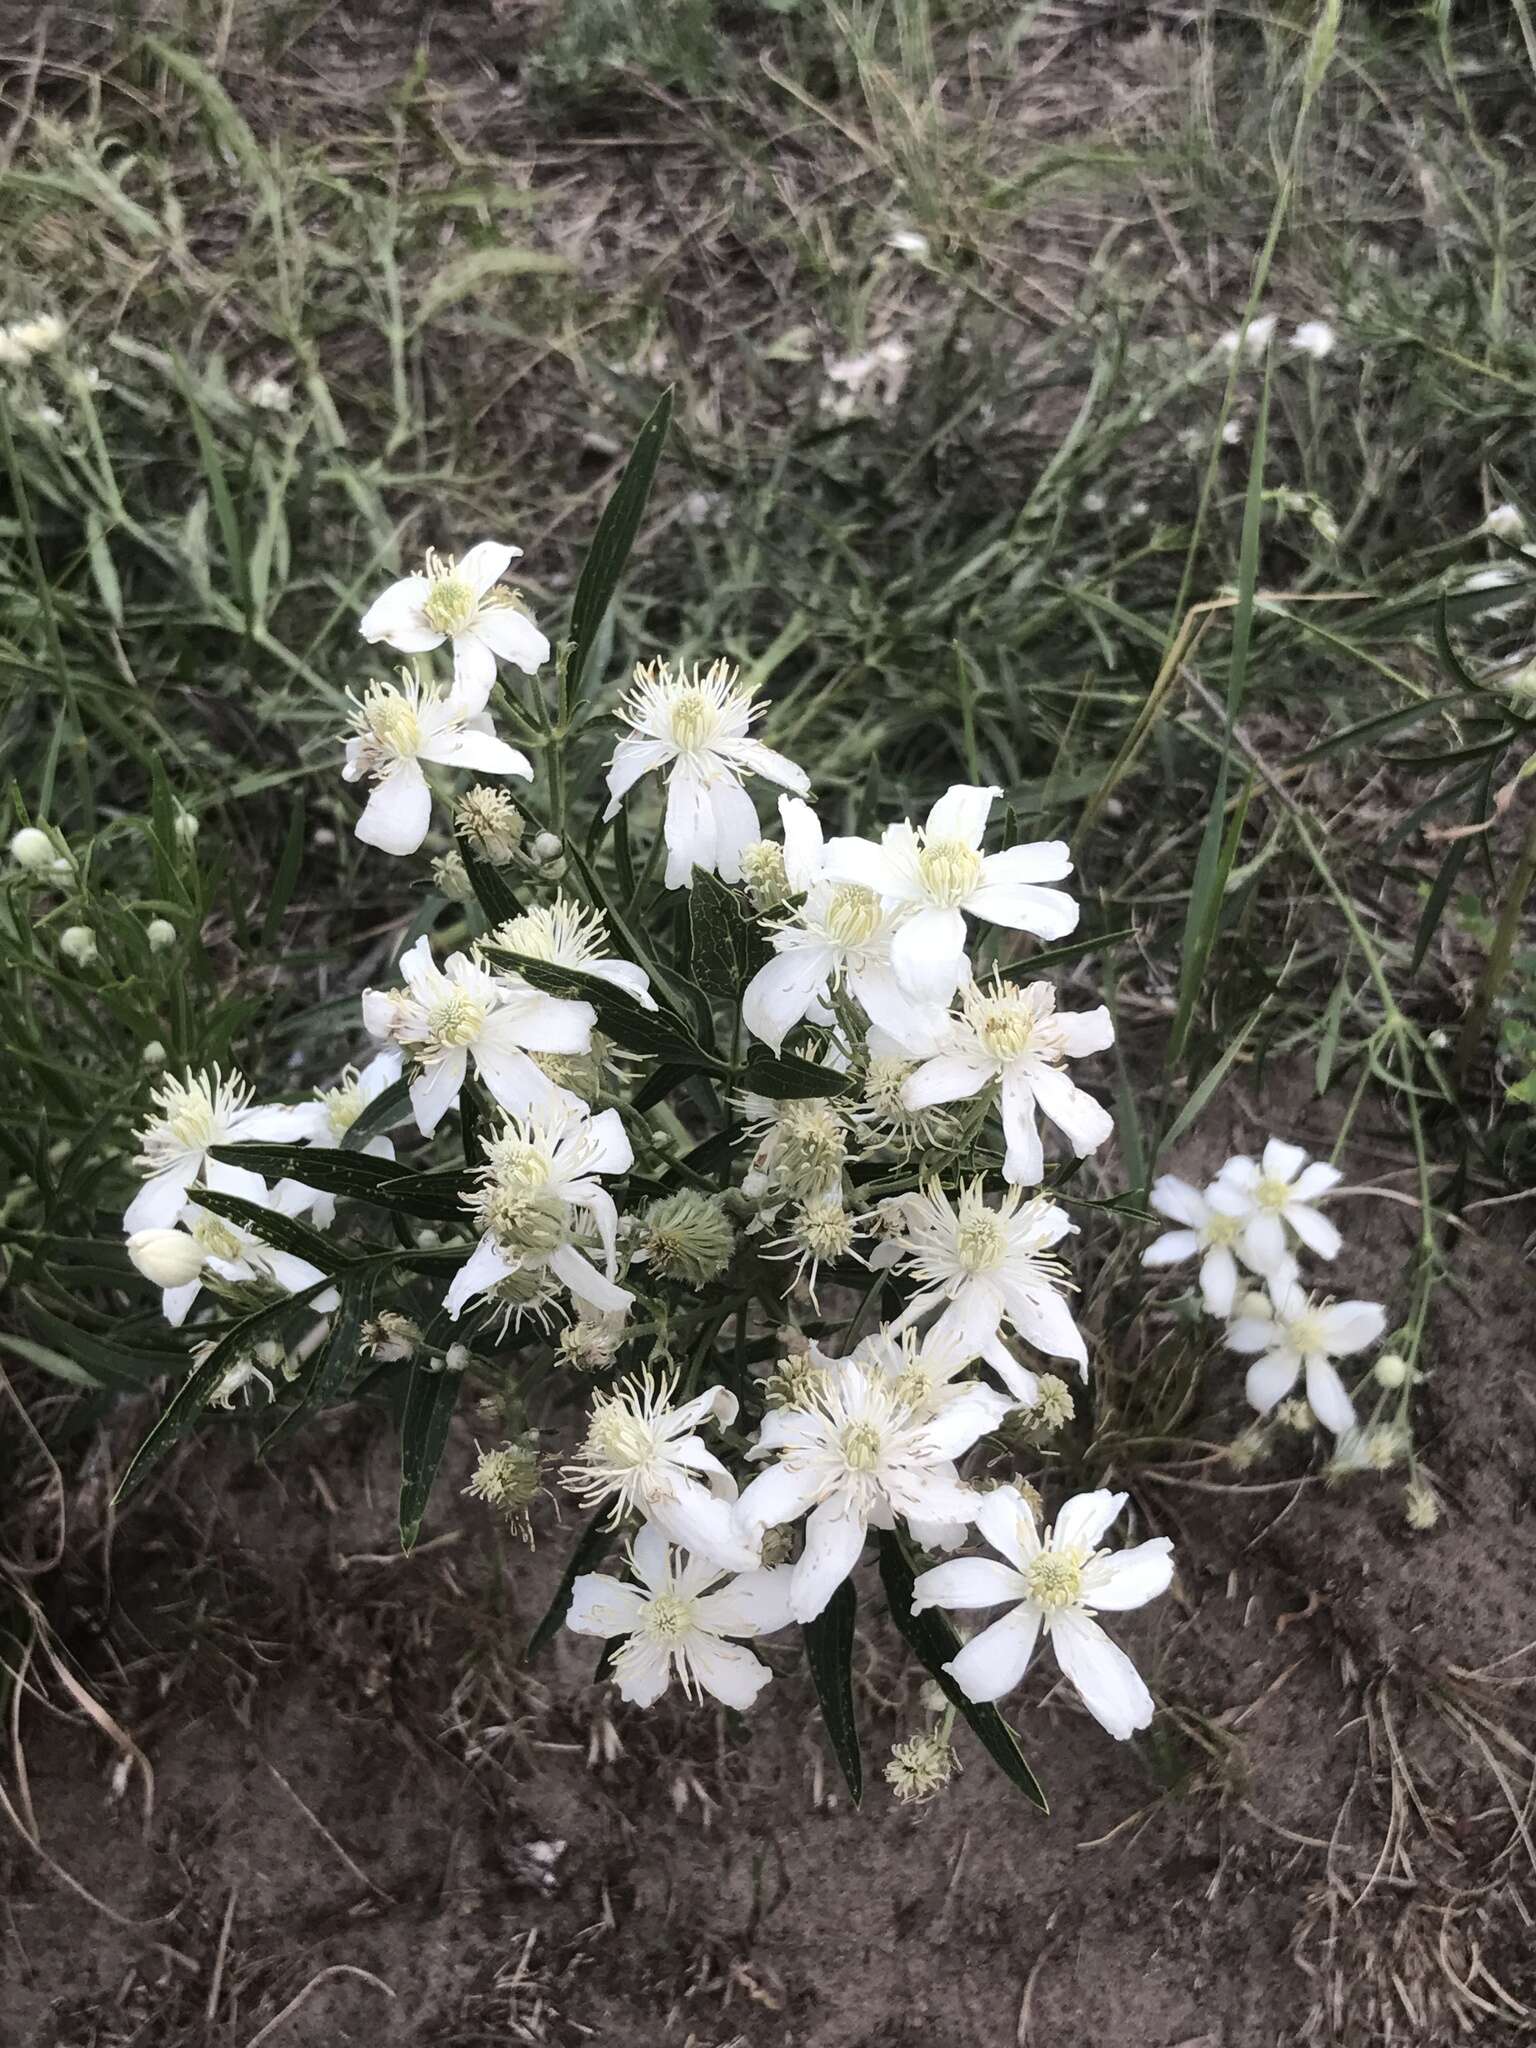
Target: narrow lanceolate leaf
x,y
438,1195
384,1110
429,1405
355,1175
283,1233
714,954
785,1077
1052,957
829,1653
493,892
611,544
660,1034
590,1549
932,1637
327,1370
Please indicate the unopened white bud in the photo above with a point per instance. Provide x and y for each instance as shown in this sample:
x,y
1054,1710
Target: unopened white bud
x,y
1391,1371
457,1357
33,849
185,827
78,943
547,846
154,1055
168,1258
1505,522
161,934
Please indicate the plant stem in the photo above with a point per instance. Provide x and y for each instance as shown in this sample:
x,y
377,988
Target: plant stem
x,y
1496,967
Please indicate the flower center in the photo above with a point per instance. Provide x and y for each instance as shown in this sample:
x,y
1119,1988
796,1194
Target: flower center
x,y
1304,1333
515,1164
522,1222
1271,1193
1055,1578
393,722
950,870
695,720
618,1438
455,1020
1005,1028
915,1386
450,605
217,1239
981,1243
668,1616
1222,1230
853,914
193,1123
343,1105
861,1446
825,1229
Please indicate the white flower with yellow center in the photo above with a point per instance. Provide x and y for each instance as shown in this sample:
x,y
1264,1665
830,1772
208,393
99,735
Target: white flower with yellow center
x,y
192,1116
460,602
695,728
239,1257
1302,1335
1017,1040
857,1454
1272,1194
397,726
1057,1585
327,1119
541,1182
681,1621
447,1016
988,1269
929,1374
647,1458
566,934
1205,1233
939,874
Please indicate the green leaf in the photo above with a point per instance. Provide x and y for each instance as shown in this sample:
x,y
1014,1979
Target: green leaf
x,y
714,949
493,892
785,1077
829,1653
283,1233
1052,957
466,275
611,544
354,1175
328,1368
933,1638
429,1404
386,1109
288,865
659,1034
439,1195
591,1548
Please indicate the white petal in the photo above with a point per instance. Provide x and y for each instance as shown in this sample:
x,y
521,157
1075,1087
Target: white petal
x,y
474,672
1178,1201
1047,913
1130,1578
781,1494
1264,1241
1040,860
1270,1379
1218,1280
779,994
689,828
1328,1397
1085,1123
612,1152
1107,1682
520,1087
643,1670
928,954
626,975
803,843
736,826
690,1515
754,1604
161,1199
1084,1520
486,563
601,1606
947,1078
514,637
1348,1326
396,618
730,1672
961,813
1024,1160
1004,1518
1315,1231
481,751
968,1582
631,759
1084,1032
397,814
236,1180
994,1662
760,760
964,1419
1042,1316
1252,1333
651,1554
914,1027
1281,1161
486,1264
1172,1248
834,1536
590,1286
1315,1181
862,861
436,1089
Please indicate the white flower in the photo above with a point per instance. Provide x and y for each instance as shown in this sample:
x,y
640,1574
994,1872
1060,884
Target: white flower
x,y
1506,522
194,1115
540,1178
77,942
857,1454
1268,1194
1205,1233
1255,339
1314,338
1305,1336
270,394
239,1256
940,872
840,937
33,849
696,727
645,1456
567,935
677,1622
908,242
397,728
1017,1038
926,1372
991,1268
459,602
327,1119
447,1016
1058,1585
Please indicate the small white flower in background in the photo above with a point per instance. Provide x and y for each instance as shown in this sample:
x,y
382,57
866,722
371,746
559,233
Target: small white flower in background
x,y
1208,1234
396,728
987,1269
1272,1194
35,850
161,934
154,1055
1056,1585
193,1115
238,1256
1505,522
1259,334
1016,1039
24,339
463,604
908,242
681,1622
47,417
1232,433
1315,338
542,1177
646,1457
77,942
270,394
939,873
857,1455
1303,1336
879,373
447,1016
186,826
694,728
566,934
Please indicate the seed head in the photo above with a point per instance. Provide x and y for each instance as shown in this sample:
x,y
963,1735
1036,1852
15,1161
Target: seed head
x,y
688,1236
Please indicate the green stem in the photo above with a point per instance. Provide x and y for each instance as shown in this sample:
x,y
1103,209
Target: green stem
x,y
1496,967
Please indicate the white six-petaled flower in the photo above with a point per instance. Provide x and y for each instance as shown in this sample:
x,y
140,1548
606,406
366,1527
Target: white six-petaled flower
x,y
447,1016
461,603
646,1457
856,1454
681,1621
1018,1041
397,727
1303,1336
939,874
1055,1585
695,728
1272,1193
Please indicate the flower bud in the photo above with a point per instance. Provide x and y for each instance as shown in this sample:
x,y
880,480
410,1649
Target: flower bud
x,y
186,827
168,1258
451,877
33,849
547,846
688,1236
1390,1371
457,1358
78,943
154,1055
161,934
